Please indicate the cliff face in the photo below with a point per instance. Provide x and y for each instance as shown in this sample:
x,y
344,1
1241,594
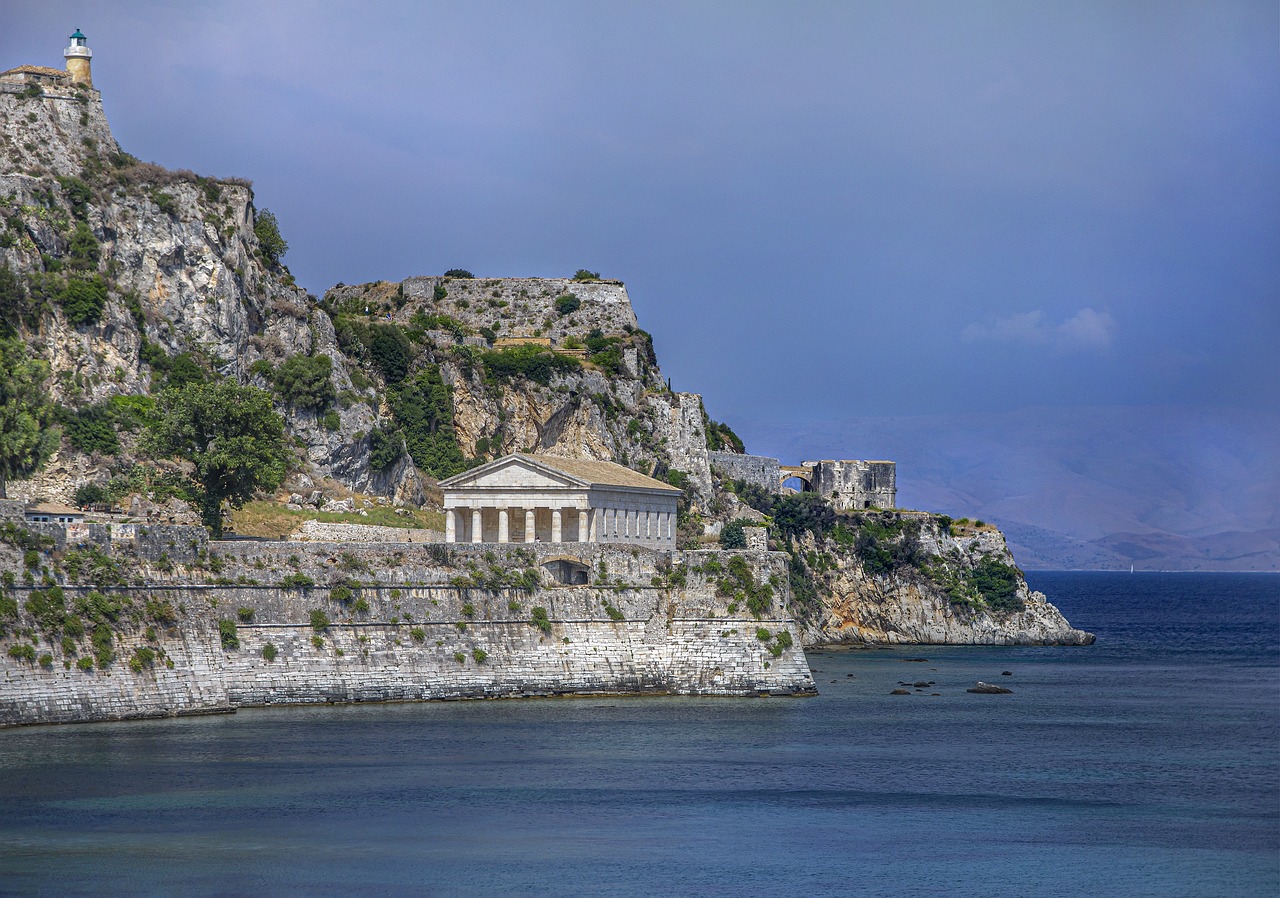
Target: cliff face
x,y
181,268
895,578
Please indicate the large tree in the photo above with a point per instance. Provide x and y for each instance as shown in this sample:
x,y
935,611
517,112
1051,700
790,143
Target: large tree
x,y
233,437
28,434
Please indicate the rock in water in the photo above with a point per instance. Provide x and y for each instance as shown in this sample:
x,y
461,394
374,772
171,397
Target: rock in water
x,y
989,689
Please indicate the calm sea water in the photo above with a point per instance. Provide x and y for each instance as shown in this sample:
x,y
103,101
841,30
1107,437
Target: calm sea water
x,y
1148,764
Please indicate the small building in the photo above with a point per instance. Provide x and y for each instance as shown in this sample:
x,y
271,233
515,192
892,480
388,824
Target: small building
x,y
539,498
52,513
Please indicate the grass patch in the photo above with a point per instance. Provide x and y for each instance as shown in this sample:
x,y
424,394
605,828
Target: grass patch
x,y
274,521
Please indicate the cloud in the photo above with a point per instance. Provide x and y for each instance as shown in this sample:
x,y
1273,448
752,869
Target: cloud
x,y
1086,329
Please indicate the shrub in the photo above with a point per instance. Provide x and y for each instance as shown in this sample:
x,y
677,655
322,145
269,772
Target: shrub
x,y
732,536
85,250
330,420
319,620
998,584
385,448
361,605
83,299
22,652
165,202
468,610
31,559
568,304
245,615
317,642
459,273
479,655
538,618
85,663
781,642
297,581
142,658
305,381
269,652
341,594
583,275
528,362
88,495
614,613
227,633
104,642
90,429
460,657
417,634
391,352
270,243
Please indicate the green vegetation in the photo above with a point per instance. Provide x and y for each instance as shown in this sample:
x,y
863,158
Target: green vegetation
x,y
296,581
538,618
83,299
568,304
527,362
385,448
269,652
27,432
143,658
23,652
232,437
583,275
720,437
417,634
480,655
244,615
732,536
614,614
319,620
90,429
305,381
459,273
423,408
227,633
739,585
270,243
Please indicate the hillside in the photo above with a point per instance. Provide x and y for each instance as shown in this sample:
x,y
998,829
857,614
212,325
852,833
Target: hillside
x,y
171,365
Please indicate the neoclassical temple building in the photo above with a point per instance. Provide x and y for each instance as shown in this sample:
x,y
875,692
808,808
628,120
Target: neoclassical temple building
x,y
537,498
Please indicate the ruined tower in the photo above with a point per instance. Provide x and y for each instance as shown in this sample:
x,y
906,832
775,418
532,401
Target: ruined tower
x,y
78,56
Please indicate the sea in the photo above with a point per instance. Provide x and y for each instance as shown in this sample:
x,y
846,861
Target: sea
x,y
1147,764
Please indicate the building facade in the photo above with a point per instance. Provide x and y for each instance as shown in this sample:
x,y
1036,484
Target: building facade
x,y
537,498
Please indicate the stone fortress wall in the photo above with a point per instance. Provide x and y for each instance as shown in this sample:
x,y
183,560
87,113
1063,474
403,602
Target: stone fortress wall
x,y
847,484
648,622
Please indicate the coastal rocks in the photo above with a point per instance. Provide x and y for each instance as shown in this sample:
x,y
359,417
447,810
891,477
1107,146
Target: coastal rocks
x,y
989,689
909,606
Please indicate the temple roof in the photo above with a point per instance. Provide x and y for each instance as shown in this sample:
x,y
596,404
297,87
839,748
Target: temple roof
x,y
587,472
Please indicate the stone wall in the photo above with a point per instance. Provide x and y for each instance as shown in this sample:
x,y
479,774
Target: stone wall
x,y
410,627
323,531
856,484
754,469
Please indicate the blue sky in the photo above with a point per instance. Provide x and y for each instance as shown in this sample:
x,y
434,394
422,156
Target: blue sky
x,y
821,210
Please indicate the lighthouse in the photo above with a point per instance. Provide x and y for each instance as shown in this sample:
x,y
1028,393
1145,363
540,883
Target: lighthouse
x,y
78,56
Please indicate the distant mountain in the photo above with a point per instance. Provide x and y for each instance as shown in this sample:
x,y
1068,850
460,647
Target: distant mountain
x,y
1158,488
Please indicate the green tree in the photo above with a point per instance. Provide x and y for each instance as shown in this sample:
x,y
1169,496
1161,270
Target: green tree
x,y
423,407
267,230
83,299
28,434
230,434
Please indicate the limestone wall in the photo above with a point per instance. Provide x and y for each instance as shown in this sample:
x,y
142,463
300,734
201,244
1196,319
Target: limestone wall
x,y
755,469
398,628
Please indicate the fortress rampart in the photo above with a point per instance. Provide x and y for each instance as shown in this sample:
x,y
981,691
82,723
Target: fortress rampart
x,y
404,621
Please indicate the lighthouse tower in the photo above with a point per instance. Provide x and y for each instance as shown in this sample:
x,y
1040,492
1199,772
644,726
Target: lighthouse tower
x,y
78,56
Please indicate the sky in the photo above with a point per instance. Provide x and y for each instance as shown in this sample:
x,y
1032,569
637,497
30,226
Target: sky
x,y
821,210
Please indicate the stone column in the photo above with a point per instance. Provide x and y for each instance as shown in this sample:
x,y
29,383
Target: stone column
x,y
583,535
477,531
450,525
504,526
555,525
529,522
